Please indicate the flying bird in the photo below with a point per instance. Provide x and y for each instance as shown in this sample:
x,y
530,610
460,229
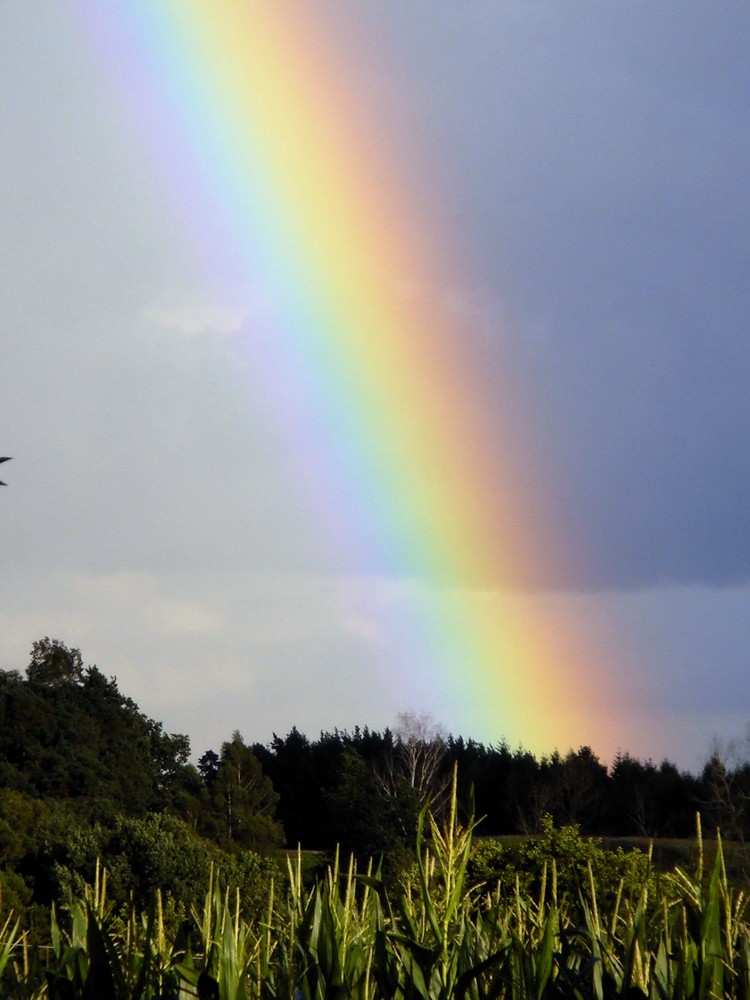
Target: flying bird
x,y
4,460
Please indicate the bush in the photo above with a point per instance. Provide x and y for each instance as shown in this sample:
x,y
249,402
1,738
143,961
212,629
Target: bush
x,y
566,851
141,855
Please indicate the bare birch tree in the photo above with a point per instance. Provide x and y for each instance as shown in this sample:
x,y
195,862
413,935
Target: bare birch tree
x,y
417,762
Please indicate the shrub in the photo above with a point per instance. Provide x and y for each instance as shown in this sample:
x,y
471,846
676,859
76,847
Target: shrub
x,y
563,849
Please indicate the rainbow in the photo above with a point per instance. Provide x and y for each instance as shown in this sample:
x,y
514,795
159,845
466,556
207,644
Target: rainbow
x,y
286,178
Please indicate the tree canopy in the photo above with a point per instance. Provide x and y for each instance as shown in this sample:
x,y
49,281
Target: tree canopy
x,y
76,753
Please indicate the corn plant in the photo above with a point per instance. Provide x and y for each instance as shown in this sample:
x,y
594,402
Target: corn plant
x,y
229,947
14,956
352,937
98,954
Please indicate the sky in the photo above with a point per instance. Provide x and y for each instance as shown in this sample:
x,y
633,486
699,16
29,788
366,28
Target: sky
x,y
567,187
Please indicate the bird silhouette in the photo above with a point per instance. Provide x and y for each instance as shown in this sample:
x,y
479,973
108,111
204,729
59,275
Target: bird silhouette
x,y
4,460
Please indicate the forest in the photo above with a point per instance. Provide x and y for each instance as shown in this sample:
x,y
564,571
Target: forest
x,y
90,785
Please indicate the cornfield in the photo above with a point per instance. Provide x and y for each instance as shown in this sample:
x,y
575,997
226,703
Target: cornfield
x,y
432,938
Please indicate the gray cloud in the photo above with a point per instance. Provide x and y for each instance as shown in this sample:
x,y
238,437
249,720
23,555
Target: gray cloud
x,y
600,154
590,164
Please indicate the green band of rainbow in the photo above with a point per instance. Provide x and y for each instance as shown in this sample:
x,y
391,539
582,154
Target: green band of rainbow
x,y
284,179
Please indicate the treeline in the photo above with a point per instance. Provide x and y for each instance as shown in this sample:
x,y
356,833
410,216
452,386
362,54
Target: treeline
x,y
85,774
358,788
364,789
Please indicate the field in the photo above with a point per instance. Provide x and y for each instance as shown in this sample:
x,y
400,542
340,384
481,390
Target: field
x,y
612,927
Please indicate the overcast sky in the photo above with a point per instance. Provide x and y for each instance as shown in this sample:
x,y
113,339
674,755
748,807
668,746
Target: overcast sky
x,y
594,159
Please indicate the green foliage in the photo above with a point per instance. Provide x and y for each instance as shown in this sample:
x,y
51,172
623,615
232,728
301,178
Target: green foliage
x,y
99,953
350,936
15,895
87,780
143,855
52,663
13,956
526,864
84,776
368,823
66,732
242,798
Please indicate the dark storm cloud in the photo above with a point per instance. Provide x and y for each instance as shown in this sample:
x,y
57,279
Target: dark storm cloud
x,y
600,156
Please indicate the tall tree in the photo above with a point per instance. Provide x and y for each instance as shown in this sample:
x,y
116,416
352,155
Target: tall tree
x,y
417,762
243,798
54,664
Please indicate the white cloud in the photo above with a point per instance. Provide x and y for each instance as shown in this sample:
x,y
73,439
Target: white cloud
x,y
142,597
197,318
